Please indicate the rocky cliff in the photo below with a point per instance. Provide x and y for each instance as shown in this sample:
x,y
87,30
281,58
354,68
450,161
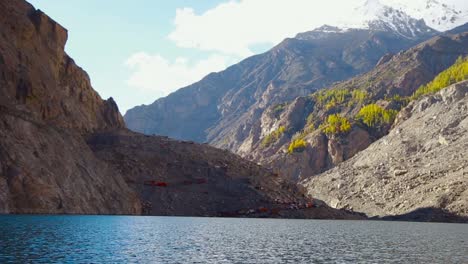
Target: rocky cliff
x,y
39,75
65,150
46,104
48,169
419,171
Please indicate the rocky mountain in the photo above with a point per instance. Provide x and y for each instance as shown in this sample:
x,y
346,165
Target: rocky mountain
x,y
64,150
305,119
419,171
46,103
224,107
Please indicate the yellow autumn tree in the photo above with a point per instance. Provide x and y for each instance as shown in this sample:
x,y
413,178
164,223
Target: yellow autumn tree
x,y
456,73
336,124
297,145
375,116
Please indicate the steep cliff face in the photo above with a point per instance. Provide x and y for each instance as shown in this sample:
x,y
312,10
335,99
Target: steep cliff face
x,y
37,73
419,171
47,104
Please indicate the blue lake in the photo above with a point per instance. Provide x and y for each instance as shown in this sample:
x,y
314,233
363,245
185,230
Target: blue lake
x,y
130,239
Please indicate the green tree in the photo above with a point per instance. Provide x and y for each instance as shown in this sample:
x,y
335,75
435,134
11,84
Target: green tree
x,y
331,98
375,116
336,124
456,73
297,145
359,96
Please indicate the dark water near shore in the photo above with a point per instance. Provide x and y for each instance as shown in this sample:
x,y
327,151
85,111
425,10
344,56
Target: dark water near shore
x,y
127,239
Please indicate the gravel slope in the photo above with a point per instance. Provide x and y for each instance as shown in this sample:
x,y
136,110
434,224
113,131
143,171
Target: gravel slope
x,y
419,171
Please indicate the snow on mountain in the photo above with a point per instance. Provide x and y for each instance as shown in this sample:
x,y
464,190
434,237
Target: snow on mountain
x,y
375,15
379,16
440,15
410,19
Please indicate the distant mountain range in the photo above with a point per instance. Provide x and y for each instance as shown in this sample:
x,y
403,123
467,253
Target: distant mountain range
x,y
222,107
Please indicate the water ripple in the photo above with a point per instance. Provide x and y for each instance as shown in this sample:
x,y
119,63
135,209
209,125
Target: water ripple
x,y
127,239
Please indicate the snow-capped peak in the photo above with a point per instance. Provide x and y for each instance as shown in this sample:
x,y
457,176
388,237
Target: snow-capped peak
x,y
437,14
387,18
378,16
374,15
410,19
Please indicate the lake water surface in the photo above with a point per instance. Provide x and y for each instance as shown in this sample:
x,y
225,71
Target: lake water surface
x,y
130,239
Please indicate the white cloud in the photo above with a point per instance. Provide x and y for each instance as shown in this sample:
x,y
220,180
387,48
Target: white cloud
x,y
234,26
159,76
231,29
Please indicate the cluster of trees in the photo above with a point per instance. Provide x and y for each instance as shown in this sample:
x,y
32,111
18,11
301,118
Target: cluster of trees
x,y
371,115
375,116
335,97
273,136
325,96
336,124
456,73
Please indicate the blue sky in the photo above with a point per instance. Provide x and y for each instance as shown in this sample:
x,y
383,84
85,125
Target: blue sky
x,y
137,51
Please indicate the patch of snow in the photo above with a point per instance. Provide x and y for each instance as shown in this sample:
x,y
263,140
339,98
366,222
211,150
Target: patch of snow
x,y
437,14
407,18
373,14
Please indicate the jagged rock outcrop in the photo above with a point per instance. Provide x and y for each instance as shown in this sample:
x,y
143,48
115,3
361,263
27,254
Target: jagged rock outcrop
x,y
37,73
419,171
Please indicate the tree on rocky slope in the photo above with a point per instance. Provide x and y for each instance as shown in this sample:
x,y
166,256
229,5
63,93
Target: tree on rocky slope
x,y
374,116
456,73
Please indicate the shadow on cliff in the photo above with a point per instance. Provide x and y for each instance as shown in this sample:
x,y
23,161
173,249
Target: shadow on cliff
x,y
428,214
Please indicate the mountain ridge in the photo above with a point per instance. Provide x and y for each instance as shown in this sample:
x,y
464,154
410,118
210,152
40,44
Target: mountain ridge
x,y
212,107
387,85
